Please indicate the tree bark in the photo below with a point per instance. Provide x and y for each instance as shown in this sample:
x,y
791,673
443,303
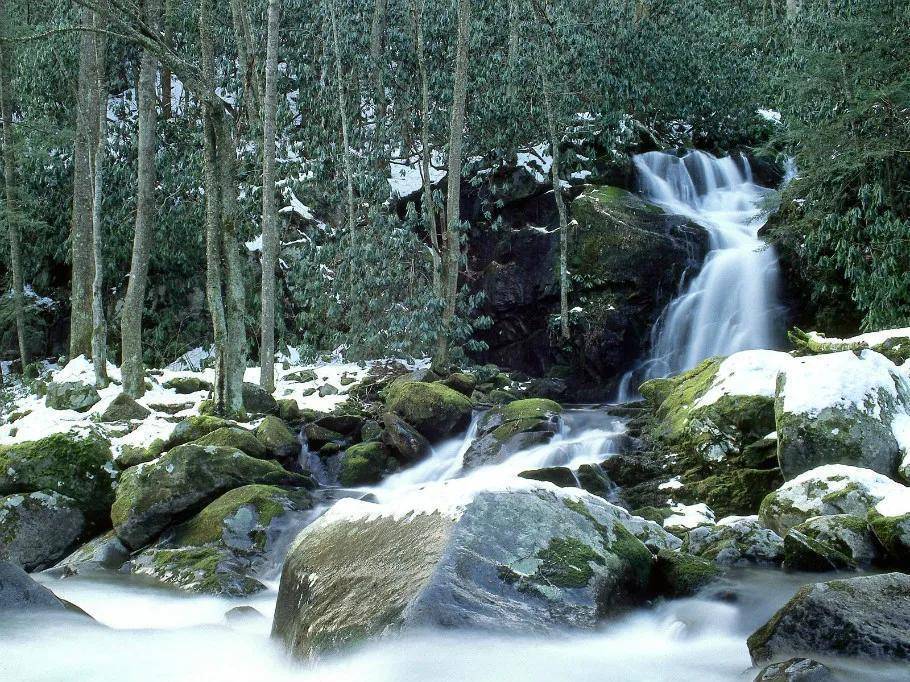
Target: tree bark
x,y
134,302
168,24
377,32
10,187
345,135
252,86
269,223
99,324
83,266
453,198
513,48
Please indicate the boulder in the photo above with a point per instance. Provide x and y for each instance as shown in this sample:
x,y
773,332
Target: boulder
x,y
289,410
371,430
516,561
825,491
257,400
678,574
864,617
277,437
346,424
505,430
326,390
892,530
187,385
19,593
736,541
362,464
76,466
796,670
71,395
194,428
436,411
38,529
403,439
235,437
235,536
317,436
124,408
154,495
462,382
830,543
561,476
301,376
103,552
839,408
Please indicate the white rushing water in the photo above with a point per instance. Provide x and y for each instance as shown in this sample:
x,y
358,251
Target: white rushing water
x,y
732,304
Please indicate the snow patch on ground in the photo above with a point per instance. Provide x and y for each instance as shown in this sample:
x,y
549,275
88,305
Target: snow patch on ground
x,y
689,516
750,372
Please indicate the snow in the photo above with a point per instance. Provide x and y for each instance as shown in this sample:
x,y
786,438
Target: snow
x,y
900,427
840,380
689,516
747,373
869,338
770,115
803,492
254,244
538,162
405,177
673,484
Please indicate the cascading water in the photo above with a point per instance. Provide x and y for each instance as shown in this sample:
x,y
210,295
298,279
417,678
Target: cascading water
x,y
732,304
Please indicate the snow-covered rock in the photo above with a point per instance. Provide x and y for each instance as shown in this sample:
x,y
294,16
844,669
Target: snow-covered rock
x,y
826,543
736,541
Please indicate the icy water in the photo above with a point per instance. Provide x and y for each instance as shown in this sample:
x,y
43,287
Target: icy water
x,y
732,303
146,631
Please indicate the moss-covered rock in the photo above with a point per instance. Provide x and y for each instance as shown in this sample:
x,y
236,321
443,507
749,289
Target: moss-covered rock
x,y
256,400
403,440
436,411
678,574
462,382
318,436
79,467
289,410
194,428
830,543
123,408
736,541
277,437
187,385
153,496
71,395
362,464
235,437
505,430
38,529
199,569
893,533
561,476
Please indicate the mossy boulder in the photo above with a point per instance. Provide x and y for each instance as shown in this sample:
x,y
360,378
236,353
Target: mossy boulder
x,y
124,408
863,617
198,569
796,670
38,529
187,385
678,574
893,533
289,410
406,442
256,400
301,376
103,552
825,491
77,466
838,408
235,437
830,543
362,464
71,395
155,495
436,411
318,436
194,428
462,382
518,561
505,430
736,541
277,437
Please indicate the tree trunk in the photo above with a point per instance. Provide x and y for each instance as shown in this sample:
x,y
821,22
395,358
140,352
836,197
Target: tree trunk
x,y
345,135
269,223
560,203
513,48
99,324
9,176
81,235
377,31
134,302
252,87
453,199
168,24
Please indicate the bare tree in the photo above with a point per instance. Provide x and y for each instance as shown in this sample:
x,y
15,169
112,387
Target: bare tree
x,y
99,324
269,222
343,113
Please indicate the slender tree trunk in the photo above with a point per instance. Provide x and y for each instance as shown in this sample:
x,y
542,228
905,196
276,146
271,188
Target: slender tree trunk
x,y
269,223
252,86
10,189
99,324
560,203
377,32
81,236
134,302
453,199
513,48
345,135
168,24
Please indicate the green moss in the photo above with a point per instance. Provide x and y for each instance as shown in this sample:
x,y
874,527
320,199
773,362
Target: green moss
x,y
275,435
735,492
656,514
234,437
530,408
893,533
678,574
566,562
194,428
362,463
433,409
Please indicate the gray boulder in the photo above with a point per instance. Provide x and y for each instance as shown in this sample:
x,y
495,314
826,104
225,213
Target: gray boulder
x,y
830,543
796,670
511,428
123,408
404,440
516,561
864,617
71,395
736,541
103,552
18,592
257,400
37,529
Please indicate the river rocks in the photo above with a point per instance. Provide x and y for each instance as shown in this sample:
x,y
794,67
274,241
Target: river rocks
x,y
37,529
405,441
560,476
362,464
78,467
154,495
71,395
235,437
257,400
105,552
289,410
462,382
796,670
508,429
839,409
436,411
736,541
318,436
277,437
522,560
187,385
216,551
678,574
19,593
828,490
868,617
826,543
194,428
124,408
892,530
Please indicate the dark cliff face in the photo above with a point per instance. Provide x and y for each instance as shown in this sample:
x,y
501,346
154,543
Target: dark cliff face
x,y
626,259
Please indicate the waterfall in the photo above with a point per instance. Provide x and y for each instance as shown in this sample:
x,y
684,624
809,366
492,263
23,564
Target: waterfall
x,y
732,304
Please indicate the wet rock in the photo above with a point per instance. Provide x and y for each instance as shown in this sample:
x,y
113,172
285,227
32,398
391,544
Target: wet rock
x,y
736,541
404,440
892,530
19,593
362,464
796,670
277,437
561,476
124,408
594,479
436,411
346,424
37,529
678,574
257,400
370,431
508,429
105,551
517,561
71,395
830,543
317,436
153,496
864,617
243,615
